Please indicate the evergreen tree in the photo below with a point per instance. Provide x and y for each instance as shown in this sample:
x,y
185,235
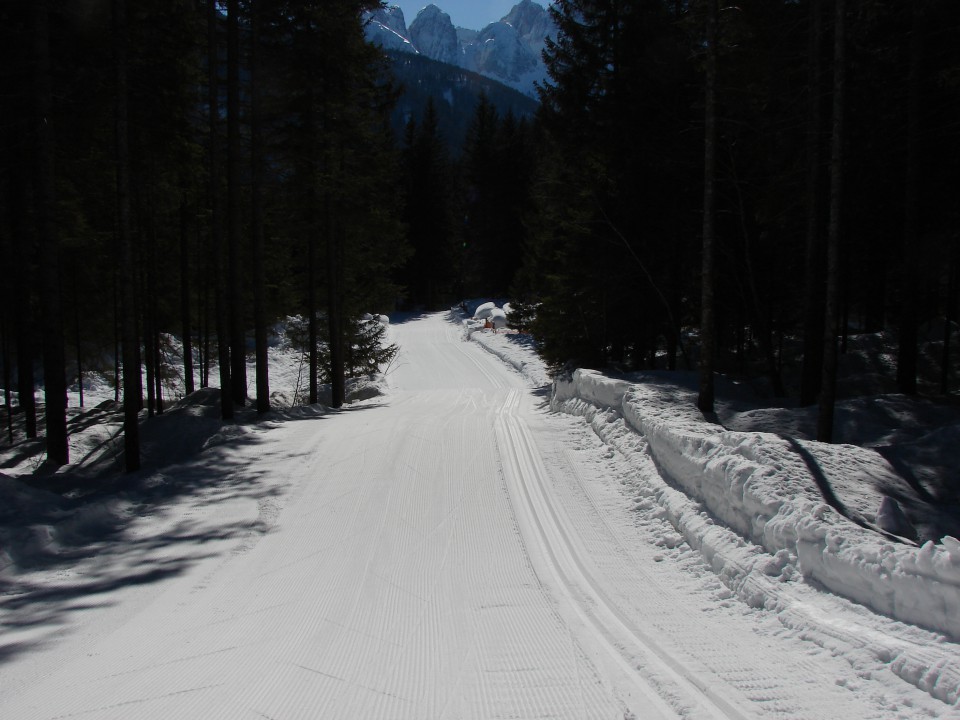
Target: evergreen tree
x,y
342,183
234,299
828,385
431,274
616,168
132,388
257,175
708,338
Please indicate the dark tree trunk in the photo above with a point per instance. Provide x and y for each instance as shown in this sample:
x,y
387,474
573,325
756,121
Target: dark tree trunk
x,y
157,361
22,290
216,241
78,336
117,335
907,351
25,377
204,272
154,321
813,309
238,351
148,335
256,206
185,324
54,356
313,334
828,383
335,315
132,388
708,341
5,348
950,307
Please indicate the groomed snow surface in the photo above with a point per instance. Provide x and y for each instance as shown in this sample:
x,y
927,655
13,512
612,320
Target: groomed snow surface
x,y
472,544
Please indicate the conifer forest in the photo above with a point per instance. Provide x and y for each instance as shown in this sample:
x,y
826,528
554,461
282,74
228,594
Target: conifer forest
x,y
729,188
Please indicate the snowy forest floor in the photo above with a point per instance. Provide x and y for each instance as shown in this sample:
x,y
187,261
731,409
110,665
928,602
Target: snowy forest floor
x,y
644,461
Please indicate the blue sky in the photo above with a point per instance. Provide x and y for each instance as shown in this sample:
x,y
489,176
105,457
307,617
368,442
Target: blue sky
x,y
473,14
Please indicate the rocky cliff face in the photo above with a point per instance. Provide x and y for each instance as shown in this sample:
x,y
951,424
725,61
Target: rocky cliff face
x,y
388,28
508,51
433,35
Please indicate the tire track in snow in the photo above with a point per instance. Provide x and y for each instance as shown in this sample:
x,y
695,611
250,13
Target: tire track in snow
x,y
579,591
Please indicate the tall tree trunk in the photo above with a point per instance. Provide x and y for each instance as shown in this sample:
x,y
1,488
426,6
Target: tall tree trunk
x,y
204,272
185,324
238,351
149,352
117,334
7,376
157,358
907,351
828,383
132,388
708,340
950,307
216,241
335,313
77,335
204,302
313,334
153,313
813,309
54,356
22,290
256,220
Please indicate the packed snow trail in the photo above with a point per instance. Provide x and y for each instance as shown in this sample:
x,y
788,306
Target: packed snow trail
x,y
449,551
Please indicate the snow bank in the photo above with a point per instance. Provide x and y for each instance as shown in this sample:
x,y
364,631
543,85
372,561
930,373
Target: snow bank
x,y
484,311
515,349
759,485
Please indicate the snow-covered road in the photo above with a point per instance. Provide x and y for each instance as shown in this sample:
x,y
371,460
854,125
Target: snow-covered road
x,y
451,550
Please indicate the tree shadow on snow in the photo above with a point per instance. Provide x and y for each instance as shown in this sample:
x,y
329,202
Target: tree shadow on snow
x,y
143,528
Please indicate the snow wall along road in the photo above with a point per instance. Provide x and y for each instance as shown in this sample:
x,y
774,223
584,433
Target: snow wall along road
x,y
756,486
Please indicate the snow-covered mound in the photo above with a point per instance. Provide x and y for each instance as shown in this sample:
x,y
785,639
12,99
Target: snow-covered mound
x,y
766,488
484,311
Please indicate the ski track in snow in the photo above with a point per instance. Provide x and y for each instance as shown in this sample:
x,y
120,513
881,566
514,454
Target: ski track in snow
x,y
453,550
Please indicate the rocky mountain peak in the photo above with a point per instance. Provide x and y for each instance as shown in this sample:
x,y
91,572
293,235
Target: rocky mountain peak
x,y
508,50
433,34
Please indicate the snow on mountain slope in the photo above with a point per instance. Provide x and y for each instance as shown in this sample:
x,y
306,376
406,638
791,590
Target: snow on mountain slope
x,y
388,28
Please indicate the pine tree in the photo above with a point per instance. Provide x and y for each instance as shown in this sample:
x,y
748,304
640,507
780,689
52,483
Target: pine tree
x,y
54,379
216,221
616,165
828,385
813,265
708,337
432,272
234,298
257,174
132,388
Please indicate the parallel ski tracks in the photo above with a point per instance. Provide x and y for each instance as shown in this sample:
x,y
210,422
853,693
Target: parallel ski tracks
x,y
559,562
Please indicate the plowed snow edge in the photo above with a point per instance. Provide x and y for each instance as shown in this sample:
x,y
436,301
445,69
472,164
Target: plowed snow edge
x,y
752,572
